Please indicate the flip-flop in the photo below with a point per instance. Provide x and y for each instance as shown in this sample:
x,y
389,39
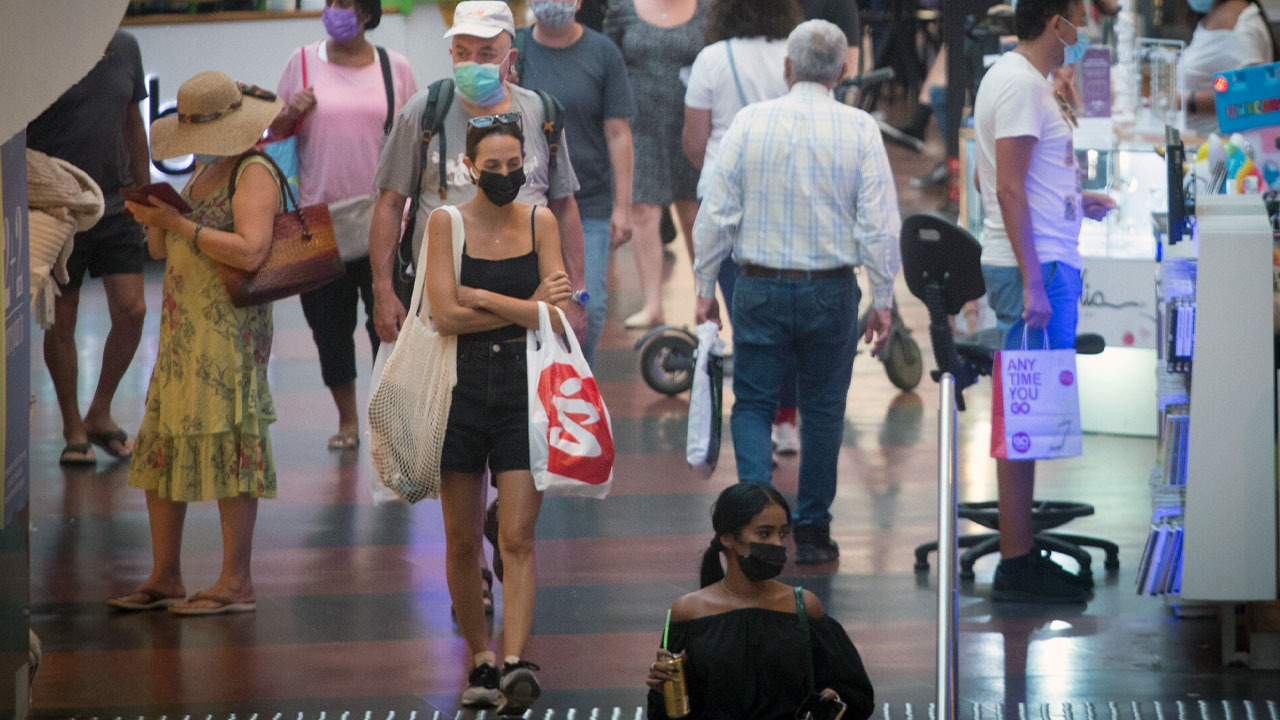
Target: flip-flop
x,y
225,605
77,454
346,440
104,440
154,600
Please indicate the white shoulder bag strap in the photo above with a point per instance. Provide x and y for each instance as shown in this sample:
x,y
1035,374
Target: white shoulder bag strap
x,y
455,219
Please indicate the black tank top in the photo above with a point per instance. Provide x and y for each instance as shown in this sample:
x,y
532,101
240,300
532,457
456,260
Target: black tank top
x,y
515,277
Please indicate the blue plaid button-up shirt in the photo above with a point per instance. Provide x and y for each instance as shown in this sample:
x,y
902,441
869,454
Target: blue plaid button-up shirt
x,y
801,183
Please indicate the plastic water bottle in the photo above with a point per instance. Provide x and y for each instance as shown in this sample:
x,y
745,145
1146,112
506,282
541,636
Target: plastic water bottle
x,y
581,297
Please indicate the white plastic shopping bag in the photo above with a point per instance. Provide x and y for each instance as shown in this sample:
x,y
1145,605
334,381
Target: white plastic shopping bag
x,y
379,491
1035,404
702,447
570,436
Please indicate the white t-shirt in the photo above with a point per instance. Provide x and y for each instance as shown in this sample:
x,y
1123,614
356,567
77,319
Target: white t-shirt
x,y
1015,100
711,87
1215,51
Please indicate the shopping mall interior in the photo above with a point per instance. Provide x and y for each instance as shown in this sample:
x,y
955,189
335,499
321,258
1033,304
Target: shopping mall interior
x,y
353,615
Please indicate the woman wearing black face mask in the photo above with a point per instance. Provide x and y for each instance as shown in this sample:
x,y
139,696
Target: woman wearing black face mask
x,y
511,260
747,656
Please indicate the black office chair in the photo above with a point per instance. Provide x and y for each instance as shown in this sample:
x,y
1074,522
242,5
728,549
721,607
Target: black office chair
x,y
942,264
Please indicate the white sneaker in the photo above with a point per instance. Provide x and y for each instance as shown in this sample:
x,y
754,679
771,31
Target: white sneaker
x,y
786,438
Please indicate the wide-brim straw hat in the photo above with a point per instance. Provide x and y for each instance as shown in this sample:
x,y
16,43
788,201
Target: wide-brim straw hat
x,y
216,116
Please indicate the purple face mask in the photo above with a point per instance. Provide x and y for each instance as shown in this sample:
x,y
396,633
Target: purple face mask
x,y
342,25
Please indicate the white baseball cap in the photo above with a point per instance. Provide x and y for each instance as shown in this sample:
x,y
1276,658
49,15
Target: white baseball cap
x,y
482,19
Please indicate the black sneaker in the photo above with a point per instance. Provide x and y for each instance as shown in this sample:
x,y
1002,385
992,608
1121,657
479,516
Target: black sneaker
x,y
519,687
482,687
1083,581
491,534
1029,579
814,545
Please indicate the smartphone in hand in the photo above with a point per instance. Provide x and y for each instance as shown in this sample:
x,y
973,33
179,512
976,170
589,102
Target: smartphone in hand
x,y
163,192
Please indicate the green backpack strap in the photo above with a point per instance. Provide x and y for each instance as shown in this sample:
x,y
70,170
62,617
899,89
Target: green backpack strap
x,y
521,42
808,642
439,98
552,127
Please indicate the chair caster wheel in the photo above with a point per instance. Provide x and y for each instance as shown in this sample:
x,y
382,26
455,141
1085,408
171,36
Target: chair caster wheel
x,y
922,567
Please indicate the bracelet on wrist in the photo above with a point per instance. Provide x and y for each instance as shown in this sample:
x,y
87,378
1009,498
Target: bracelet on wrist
x,y
195,236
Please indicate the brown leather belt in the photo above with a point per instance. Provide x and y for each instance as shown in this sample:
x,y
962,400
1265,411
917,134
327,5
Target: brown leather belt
x,y
749,270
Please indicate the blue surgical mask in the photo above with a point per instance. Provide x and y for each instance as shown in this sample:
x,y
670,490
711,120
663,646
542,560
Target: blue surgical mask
x,y
479,84
1074,53
1200,6
554,13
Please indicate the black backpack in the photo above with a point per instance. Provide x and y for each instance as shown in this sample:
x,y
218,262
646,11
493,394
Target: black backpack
x,y
439,100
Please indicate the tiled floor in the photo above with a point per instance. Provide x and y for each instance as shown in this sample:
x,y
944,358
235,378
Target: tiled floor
x,y
353,614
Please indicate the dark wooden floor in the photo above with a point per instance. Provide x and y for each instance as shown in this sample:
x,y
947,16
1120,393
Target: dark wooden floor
x,y
353,614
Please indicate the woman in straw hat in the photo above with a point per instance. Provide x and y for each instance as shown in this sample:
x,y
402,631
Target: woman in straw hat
x,y
204,434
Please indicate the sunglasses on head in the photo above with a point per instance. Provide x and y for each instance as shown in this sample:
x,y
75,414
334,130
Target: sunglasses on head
x,y
485,121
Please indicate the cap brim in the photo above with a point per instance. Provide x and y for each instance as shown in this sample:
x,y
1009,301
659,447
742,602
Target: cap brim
x,y
226,136
480,30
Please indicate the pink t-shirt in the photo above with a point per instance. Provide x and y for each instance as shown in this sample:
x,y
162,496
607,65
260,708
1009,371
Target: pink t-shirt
x,y
339,140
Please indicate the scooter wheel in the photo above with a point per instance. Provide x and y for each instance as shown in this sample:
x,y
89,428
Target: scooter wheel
x,y
666,364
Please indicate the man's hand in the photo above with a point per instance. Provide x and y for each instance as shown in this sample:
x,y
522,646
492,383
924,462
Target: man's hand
x,y
619,227
577,316
1036,305
878,323
388,314
1096,204
708,311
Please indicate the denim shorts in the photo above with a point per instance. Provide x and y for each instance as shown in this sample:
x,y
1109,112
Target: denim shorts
x,y
1061,285
489,417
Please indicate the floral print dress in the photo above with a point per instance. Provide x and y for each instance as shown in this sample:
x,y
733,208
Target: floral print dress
x,y
204,432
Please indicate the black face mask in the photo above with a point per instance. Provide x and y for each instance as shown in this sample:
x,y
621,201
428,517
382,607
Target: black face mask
x,y
764,562
501,189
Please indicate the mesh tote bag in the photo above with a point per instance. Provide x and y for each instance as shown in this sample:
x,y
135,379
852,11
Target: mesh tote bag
x,y
409,407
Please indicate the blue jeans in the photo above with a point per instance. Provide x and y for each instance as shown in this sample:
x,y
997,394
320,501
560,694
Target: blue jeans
x,y
813,324
1061,285
595,242
728,277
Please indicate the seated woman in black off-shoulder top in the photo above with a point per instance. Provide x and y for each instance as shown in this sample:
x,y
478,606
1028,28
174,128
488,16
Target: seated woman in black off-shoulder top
x,y
745,650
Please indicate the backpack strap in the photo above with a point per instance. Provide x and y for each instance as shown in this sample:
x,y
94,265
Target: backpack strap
x,y
439,98
521,42
385,61
552,126
804,628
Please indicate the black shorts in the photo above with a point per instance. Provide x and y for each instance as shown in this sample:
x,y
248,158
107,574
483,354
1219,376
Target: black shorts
x,y
115,246
489,417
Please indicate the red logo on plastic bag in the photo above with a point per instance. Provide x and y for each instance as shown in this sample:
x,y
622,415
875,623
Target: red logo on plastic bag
x,y
1066,377
580,445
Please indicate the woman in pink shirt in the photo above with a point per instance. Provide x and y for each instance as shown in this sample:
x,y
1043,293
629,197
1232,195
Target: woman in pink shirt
x,y
336,102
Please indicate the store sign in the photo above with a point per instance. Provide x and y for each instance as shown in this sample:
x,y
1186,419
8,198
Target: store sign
x,y
1095,82
1117,302
173,166
1247,98
15,353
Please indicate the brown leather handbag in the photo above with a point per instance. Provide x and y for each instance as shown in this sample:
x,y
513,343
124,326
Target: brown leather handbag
x,y
303,255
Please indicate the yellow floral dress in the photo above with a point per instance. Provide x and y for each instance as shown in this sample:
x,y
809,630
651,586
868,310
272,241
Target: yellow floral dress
x,y
204,433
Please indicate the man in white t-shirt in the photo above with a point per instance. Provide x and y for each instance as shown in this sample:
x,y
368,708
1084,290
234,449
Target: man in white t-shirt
x,y
1030,187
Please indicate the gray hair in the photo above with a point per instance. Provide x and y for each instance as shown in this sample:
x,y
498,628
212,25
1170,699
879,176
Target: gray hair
x,y
816,49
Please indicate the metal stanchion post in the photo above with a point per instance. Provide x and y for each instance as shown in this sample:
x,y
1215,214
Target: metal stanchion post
x,y
947,549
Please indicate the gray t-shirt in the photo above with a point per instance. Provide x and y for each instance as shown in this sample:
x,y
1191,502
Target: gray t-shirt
x,y
400,156
86,126
590,79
